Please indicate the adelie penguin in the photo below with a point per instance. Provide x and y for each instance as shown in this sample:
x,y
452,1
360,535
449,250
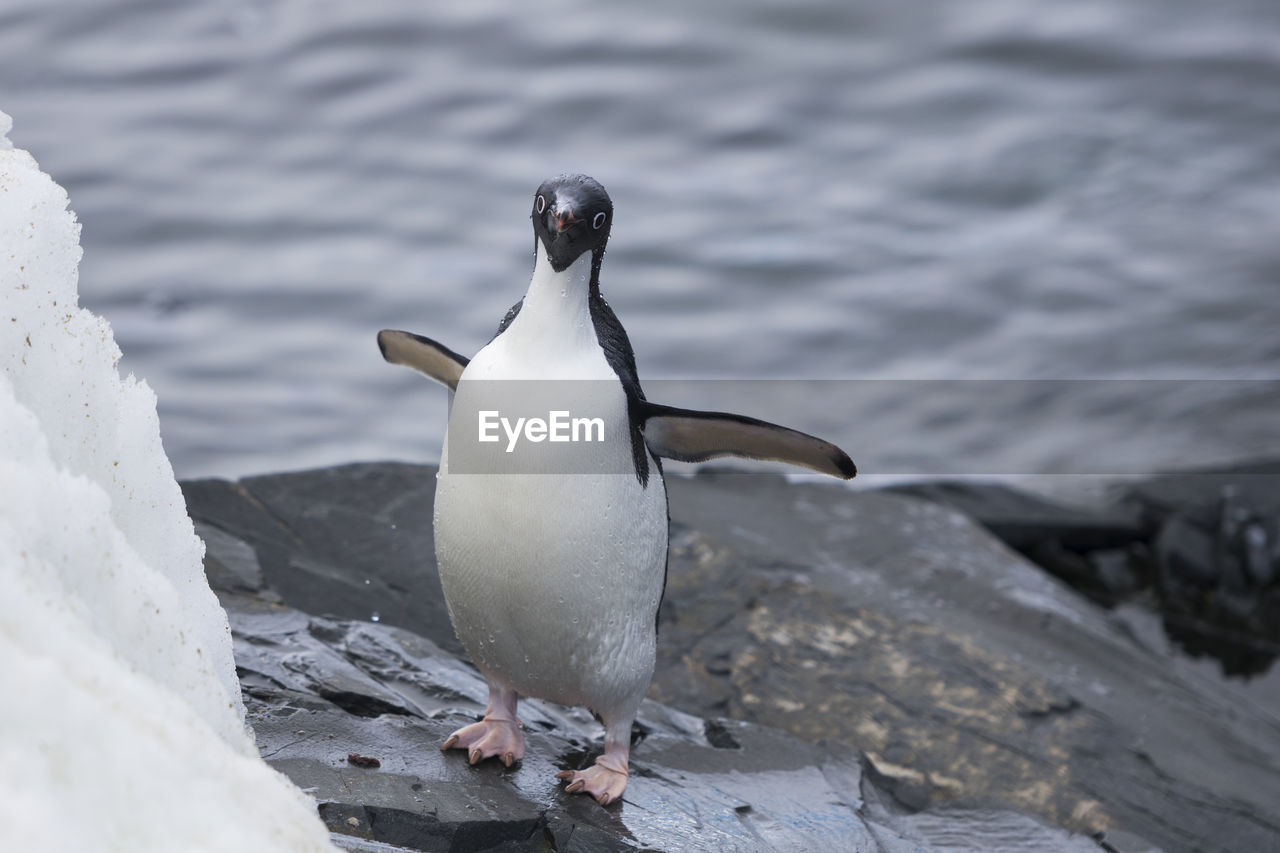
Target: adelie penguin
x,y
553,580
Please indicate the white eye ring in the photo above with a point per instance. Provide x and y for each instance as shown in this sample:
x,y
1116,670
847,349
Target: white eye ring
x,y
541,203
597,220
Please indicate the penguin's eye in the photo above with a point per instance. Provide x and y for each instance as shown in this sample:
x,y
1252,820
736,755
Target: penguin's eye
x,y
540,204
597,220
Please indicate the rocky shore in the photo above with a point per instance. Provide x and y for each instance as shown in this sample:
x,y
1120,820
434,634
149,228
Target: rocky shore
x,y
881,670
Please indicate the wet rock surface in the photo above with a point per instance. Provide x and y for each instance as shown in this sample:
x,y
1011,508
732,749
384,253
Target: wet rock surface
x,y
1215,557
1091,549
1200,549
964,673
860,671
321,691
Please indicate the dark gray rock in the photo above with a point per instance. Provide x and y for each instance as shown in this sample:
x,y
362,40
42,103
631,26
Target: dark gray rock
x,y
1255,483
320,691
964,673
230,564
982,697
1215,561
1023,520
1091,549
352,542
1203,549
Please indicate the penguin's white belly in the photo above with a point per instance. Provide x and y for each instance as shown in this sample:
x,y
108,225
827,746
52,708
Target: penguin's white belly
x,y
553,580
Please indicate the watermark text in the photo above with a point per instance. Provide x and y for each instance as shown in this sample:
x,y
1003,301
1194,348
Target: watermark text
x,y
558,426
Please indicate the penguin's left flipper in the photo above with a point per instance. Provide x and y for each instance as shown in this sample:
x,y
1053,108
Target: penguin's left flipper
x,y
692,436
423,355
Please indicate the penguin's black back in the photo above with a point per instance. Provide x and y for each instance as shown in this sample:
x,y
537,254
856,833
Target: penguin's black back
x,y
618,353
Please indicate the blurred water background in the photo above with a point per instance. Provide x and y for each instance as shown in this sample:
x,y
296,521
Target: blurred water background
x,y
873,191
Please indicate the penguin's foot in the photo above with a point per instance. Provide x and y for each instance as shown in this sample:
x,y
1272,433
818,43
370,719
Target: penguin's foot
x,y
488,738
605,780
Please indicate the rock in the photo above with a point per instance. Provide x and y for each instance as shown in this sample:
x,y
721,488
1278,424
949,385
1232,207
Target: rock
x,y
1023,520
1215,558
1121,572
963,672
369,753
229,564
352,542
1184,554
932,686
1062,539
1157,498
1205,545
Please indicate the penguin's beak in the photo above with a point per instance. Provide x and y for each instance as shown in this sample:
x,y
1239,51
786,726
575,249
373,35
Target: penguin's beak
x,y
561,219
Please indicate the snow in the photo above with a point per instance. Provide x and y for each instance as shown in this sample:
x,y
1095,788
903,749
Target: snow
x,y
121,725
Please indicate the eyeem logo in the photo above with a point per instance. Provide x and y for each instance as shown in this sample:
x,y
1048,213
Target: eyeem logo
x,y
558,427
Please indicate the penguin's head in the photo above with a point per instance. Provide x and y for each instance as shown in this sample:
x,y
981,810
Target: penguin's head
x,y
571,215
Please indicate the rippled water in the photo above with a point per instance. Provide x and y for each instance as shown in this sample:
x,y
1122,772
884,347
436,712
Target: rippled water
x,y
992,189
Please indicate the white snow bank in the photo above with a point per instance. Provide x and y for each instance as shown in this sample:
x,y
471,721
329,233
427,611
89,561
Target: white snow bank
x,y
121,726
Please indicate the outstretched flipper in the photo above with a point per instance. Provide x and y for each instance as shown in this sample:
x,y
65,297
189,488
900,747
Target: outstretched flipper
x,y
692,436
423,355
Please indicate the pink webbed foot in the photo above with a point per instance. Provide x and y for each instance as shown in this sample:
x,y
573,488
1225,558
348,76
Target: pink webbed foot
x,y
489,738
605,780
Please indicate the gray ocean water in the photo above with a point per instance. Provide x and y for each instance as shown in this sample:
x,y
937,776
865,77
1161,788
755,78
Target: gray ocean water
x,y
872,191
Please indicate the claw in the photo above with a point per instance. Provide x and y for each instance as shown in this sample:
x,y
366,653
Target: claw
x,y
489,738
605,780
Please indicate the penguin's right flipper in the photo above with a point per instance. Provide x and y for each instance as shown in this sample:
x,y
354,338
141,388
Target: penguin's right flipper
x,y
423,355
692,436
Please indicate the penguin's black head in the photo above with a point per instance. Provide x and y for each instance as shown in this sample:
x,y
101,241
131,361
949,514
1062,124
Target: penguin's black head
x,y
572,214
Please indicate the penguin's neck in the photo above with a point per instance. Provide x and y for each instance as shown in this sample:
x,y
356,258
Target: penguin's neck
x,y
556,312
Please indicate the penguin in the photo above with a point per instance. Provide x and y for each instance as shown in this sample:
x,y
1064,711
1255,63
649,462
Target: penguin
x,y
553,580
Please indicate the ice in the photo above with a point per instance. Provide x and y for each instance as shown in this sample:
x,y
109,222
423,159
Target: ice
x,y
121,725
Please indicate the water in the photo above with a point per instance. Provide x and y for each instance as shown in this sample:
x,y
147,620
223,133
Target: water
x,y
994,189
